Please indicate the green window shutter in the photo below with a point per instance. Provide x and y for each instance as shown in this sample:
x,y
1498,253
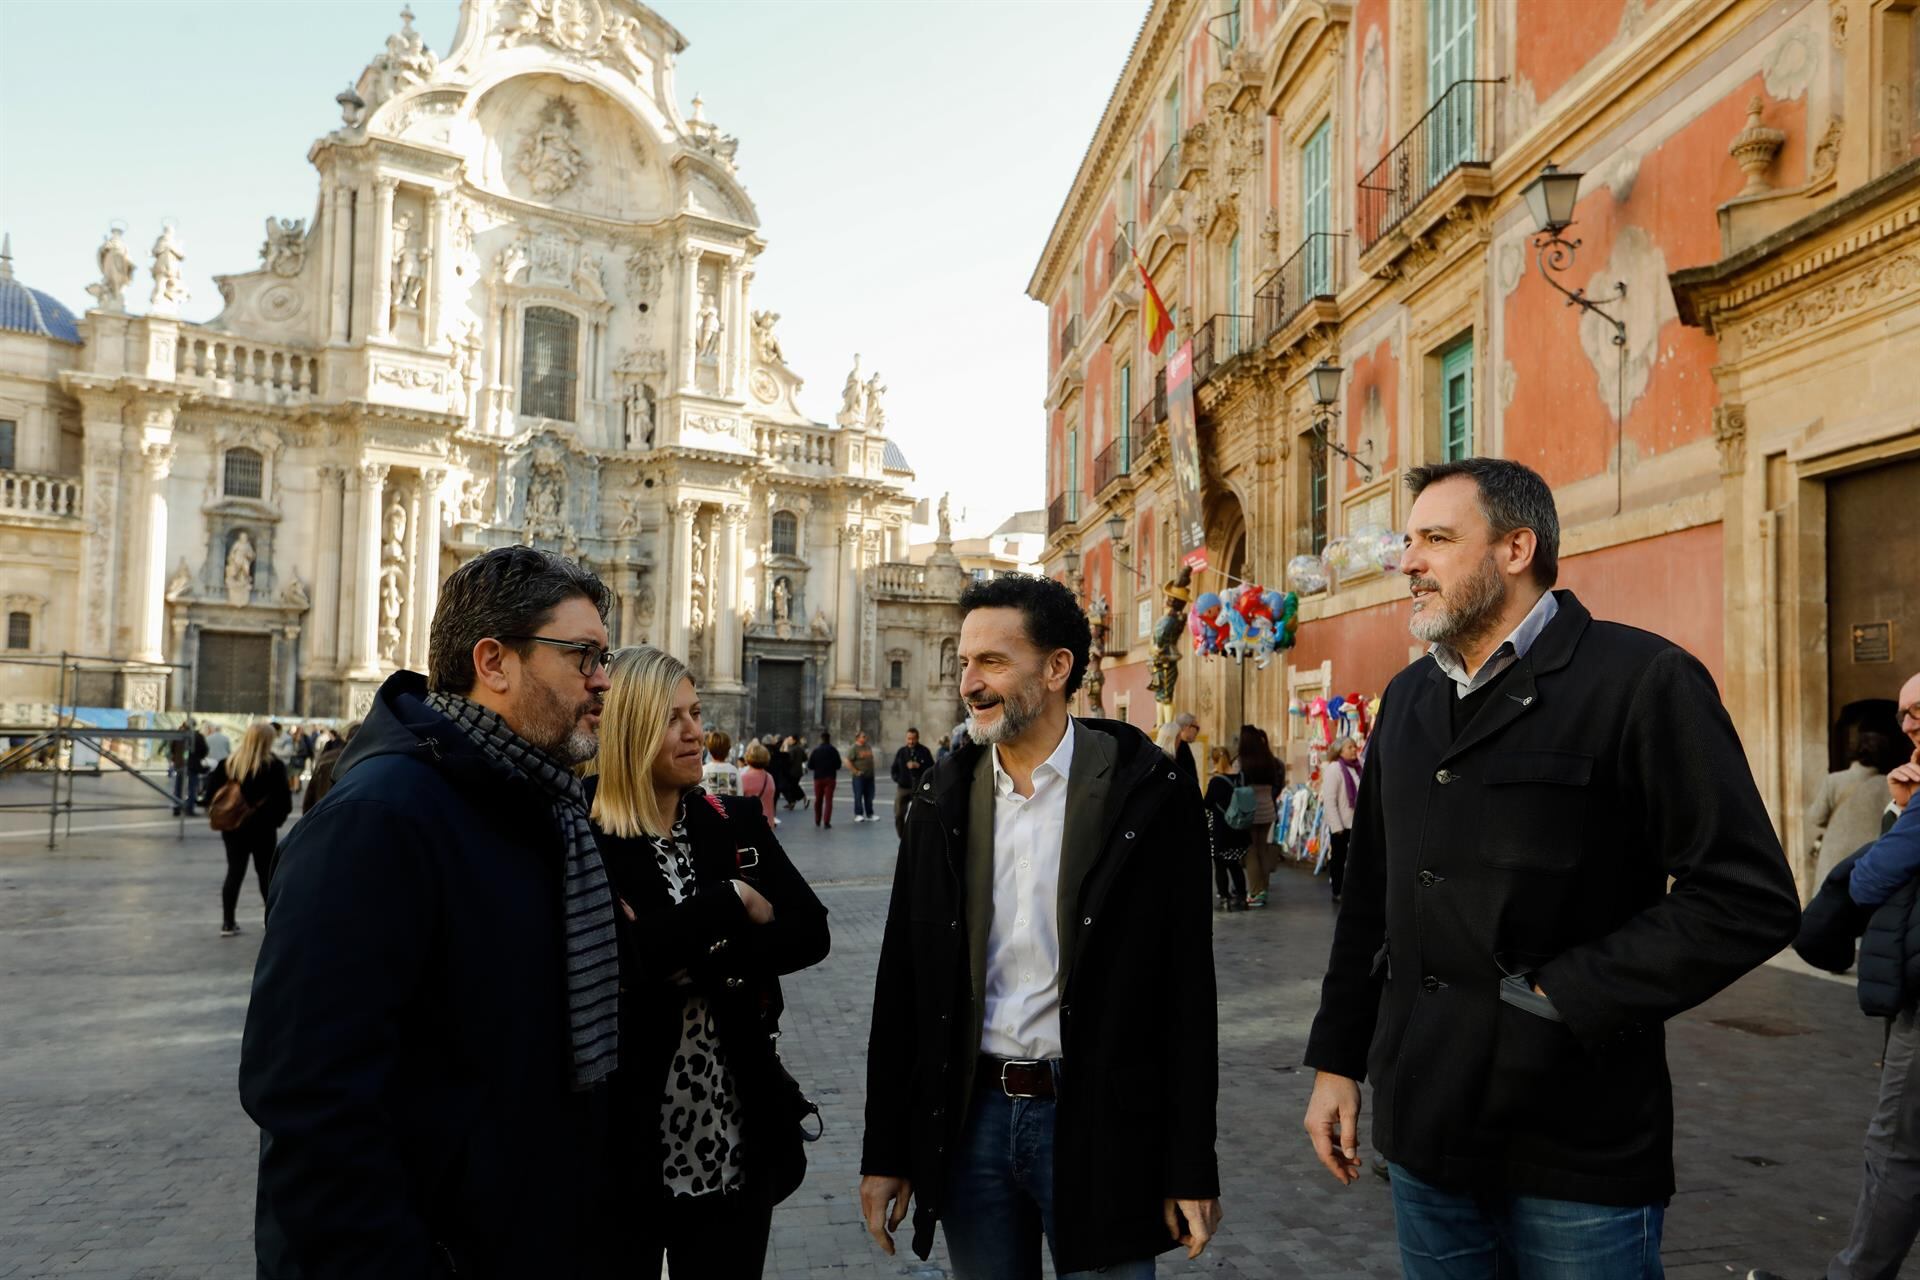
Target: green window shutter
x,y
1073,473
1456,403
1123,418
1450,40
1316,209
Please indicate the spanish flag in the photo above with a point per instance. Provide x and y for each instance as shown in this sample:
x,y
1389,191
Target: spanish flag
x,y
1159,321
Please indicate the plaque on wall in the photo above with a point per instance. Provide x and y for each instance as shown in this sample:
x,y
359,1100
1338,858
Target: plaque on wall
x,y
1872,641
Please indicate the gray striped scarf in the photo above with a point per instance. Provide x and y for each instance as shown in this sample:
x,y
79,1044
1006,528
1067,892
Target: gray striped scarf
x,y
593,964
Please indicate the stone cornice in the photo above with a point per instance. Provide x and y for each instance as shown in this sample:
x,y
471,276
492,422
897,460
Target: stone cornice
x,y
1163,25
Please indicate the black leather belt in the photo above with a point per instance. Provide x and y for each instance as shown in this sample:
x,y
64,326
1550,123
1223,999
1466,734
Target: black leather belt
x,y
1018,1077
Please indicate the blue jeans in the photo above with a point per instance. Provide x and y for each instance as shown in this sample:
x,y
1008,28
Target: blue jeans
x,y
1450,1235
863,795
1001,1200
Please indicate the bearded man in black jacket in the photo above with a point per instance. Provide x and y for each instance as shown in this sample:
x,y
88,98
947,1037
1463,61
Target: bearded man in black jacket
x,y
1508,950
1042,1060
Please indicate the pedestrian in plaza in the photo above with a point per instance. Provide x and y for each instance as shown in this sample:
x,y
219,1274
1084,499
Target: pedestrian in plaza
x,y
824,765
178,750
860,768
434,1017
756,780
1883,885
792,763
247,800
711,913
1044,1063
1339,788
1845,812
1259,770
219,746
719,776
1176,737
912,764
1508,948
942,750
1227,842
323,765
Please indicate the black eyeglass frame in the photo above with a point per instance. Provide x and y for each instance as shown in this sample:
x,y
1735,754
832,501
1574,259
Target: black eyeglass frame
x,y
586,650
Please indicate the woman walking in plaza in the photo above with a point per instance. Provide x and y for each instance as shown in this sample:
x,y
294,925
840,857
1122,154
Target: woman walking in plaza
x,y
791,765
711,912
1227,843
1259,770
756,780
1339,788
248,797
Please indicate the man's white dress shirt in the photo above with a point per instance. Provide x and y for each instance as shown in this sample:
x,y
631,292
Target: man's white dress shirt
x,y
1511,650
1023,946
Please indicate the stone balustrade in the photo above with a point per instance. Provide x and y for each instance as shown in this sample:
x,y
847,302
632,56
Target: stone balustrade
x,y
25,494
896,579
246,370
794,446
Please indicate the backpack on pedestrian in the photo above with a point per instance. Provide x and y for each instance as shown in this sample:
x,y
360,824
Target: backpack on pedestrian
x,y
1243,805
230,808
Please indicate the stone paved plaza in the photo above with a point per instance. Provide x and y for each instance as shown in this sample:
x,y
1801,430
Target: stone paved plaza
x,y
124,1153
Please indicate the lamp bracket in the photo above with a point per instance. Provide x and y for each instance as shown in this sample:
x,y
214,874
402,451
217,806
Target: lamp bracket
x,y
1366,446
1555,254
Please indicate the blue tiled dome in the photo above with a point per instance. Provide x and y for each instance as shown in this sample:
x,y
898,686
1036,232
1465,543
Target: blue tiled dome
x,y
25,310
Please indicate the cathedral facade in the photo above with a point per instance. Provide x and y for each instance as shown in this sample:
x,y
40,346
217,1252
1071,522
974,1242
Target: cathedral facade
x,y
520,312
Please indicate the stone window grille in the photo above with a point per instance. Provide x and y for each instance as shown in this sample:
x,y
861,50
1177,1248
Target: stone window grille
x,y
244,474
549,369
896,673
786,534
19,630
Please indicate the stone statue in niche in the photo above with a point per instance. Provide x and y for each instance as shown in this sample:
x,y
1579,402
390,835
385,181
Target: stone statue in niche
x,y
409,270
240,569
390,604
116,272
169,290
587,280
285,250
764,343
395,546
949,662
640,420
851,396
473,499
876,412
546,491
707,331
548,158
782,608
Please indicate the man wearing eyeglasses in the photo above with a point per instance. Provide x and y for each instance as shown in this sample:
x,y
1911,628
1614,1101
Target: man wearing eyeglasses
x,y
433,1013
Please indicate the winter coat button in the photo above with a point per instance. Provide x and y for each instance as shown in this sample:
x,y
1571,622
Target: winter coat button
x,y
1430,984
1087,921
953,924
1428,879
1445,776
1129,835
735,983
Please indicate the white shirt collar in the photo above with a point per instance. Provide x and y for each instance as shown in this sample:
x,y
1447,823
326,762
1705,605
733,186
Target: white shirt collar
x,y
1060,763
1510,650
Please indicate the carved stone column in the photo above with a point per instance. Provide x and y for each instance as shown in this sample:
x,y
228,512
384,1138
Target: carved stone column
x,y
846,628
340,264
730,592
360,260
100,544
366,596
150,630
348,559
680,583
382,251
733,332
689,313
426,563
743,341
322,650
433,304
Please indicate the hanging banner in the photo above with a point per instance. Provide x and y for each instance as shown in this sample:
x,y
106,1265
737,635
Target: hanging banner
x,y
1183,445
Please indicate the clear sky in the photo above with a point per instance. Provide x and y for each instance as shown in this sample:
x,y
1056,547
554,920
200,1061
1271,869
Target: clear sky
x,y
907,158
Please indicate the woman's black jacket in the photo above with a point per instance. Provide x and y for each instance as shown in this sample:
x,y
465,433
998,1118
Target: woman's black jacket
x,y
1225,839
267,790
734,962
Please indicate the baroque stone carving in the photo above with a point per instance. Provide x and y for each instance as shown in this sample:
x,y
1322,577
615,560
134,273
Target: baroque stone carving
x,y
169,290
285,251
1730,436
239,572
852,396
116,272
876,412
472,505
1888,278
765,344
708,327
295,594
411,378
1754,148
181,582
707,136
1826,153
409,265
547,157
645,267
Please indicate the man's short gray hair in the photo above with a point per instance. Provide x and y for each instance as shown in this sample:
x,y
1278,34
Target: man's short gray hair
x,y
1512,496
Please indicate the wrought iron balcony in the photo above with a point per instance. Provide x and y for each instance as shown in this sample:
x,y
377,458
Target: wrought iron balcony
x,y
1457,130
1166,179
1063,510
1313,271
1120,260
1069,337
1218,343
1111,463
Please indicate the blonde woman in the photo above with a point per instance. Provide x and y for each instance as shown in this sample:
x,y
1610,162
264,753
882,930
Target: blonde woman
x,y
248,797
756,780
711,912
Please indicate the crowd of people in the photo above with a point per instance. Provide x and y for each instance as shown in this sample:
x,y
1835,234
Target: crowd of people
x,y
518,1009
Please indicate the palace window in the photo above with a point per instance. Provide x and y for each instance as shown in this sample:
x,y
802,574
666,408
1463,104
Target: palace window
x,y
786,534
549,348
7,429
19,631
1450,59
1317,480
242,474
896,674
1316,209
1456,402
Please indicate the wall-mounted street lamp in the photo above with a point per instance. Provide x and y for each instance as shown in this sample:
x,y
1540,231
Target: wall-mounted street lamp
x,y
1323,380
1550,199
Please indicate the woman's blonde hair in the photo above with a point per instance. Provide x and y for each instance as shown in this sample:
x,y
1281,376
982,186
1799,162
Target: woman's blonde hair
x,y
1168,738
1220,758
758,755
633,724
251,756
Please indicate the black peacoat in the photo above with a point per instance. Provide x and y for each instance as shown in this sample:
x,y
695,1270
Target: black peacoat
x,y
1536,845
1135,1119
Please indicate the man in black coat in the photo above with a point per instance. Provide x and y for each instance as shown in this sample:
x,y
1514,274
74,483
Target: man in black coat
x,y
1042,1057
1508,951
911,763
432,1018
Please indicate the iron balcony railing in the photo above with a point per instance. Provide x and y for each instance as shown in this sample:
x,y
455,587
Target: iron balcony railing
x,y
1218,342
1108,465
1063,510
1069,337
1121,258
1313,271
1144,425
1166,179
1457,130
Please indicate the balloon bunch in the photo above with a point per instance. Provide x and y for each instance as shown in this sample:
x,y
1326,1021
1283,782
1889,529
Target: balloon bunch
x,y
1307,574
1210,630
1245,621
